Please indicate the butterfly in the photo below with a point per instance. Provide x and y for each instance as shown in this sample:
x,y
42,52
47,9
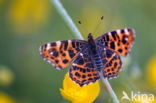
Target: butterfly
x,y
92,57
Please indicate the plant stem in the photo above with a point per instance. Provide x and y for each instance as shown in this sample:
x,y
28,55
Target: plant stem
x,y
57,4
109,88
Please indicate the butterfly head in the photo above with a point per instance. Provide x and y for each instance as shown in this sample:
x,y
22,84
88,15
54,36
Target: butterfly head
x,y
91,40
90,36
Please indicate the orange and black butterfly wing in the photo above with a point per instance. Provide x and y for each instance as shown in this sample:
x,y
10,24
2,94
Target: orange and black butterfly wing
x,y
113,65
61,53
112,45
82,71
119,41
111,62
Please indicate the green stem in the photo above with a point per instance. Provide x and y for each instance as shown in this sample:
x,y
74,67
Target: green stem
x,y
57,4
109,89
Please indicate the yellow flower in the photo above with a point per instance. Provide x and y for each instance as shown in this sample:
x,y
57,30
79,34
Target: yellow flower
x,y
28,15
151,71
6,76
4,98
77,94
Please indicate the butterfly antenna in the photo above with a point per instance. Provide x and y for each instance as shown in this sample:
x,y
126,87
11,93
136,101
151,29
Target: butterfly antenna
x,y
83,27
99,22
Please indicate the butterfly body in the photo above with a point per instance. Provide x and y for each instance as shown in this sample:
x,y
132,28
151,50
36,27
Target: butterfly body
x,y
95,55
91,57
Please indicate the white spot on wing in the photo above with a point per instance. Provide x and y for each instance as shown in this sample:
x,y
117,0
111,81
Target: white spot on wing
x,y
69,41
81,54
51,53
126,39
109,33
58,68
126,31
49,62
73,64
58,43
40,49
118,31
48,46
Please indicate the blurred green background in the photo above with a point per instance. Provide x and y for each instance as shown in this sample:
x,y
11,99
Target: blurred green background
x,y
27,24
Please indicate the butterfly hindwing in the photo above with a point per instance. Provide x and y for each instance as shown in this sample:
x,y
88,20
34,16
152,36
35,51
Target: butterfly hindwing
x,y
61,53
82,70
119,41
111,62
112,66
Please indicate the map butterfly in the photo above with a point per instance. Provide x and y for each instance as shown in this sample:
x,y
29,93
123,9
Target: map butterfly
x,y
92,57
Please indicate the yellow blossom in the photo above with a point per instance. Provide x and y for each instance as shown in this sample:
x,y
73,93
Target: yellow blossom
x,y
27,15
6,76
151,71
4,98
77,94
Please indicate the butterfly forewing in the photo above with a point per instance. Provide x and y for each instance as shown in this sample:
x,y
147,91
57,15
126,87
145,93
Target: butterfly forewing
x,y
82,70
61,53
119,41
